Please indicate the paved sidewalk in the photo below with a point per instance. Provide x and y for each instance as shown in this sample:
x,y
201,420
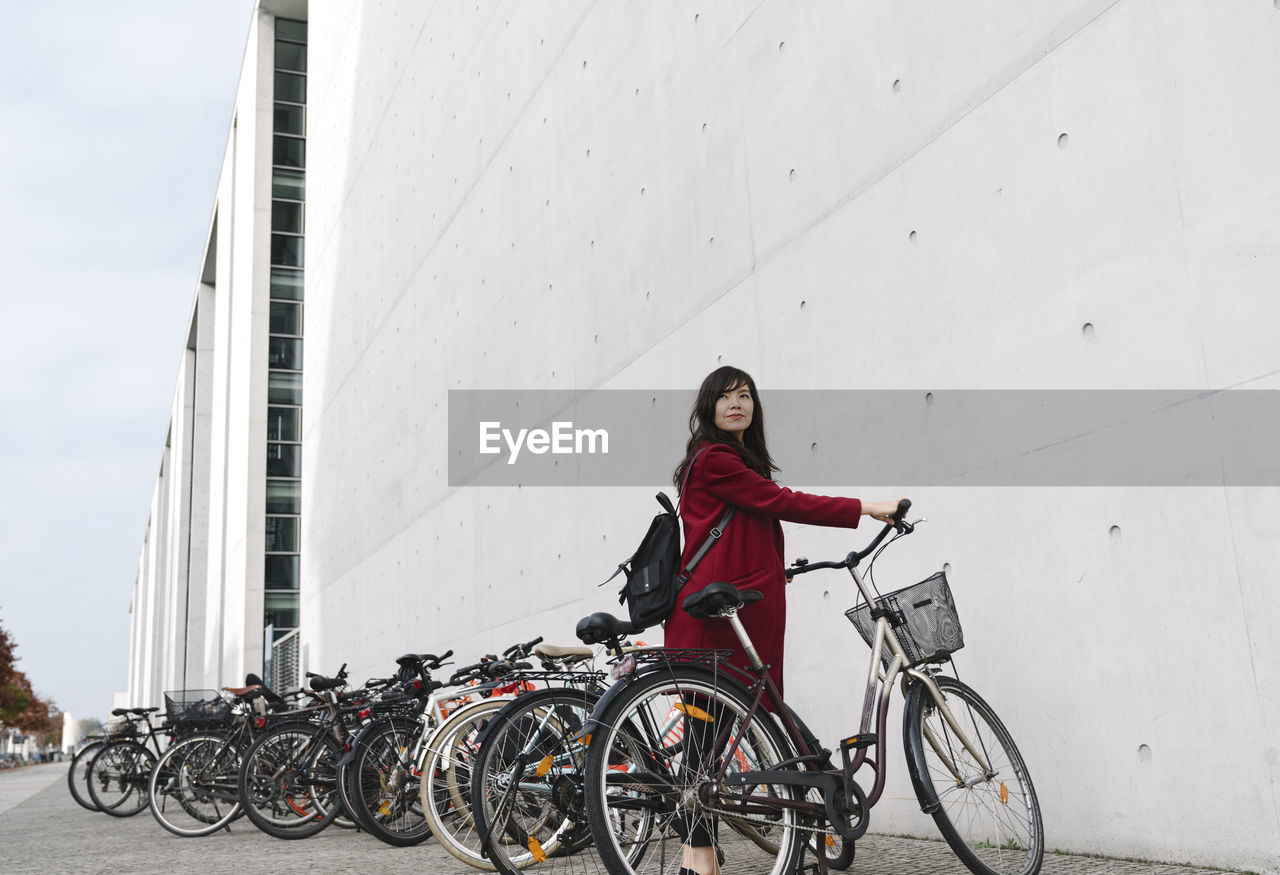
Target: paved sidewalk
x,y
19,785
49,832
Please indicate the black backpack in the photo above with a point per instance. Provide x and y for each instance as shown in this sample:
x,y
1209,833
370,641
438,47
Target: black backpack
x,y
654,575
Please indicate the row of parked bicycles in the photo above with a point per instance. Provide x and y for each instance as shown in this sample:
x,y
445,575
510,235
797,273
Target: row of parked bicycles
x,y
539,758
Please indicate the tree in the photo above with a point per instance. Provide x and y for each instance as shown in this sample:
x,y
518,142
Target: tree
x,y
20,707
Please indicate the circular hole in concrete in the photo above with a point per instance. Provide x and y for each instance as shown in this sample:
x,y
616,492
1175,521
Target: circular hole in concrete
x,y
928,398
792,175
897,85
1144,753
782,46
1062,141
802,303
1115,533
1086,331
912,236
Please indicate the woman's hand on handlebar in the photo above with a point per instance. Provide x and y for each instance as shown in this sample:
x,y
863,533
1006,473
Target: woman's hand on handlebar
x,y
883,511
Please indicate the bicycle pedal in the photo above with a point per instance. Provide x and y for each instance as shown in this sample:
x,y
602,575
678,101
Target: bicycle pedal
x,y
854,742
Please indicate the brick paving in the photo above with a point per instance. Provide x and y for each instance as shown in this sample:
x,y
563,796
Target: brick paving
x,y
48,832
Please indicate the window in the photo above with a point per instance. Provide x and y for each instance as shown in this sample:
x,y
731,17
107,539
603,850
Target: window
x,y
284,423
288,183
282,534
284,388
285,353
289,151
281,575
291,87
291,56
286,283
286,216
281,572
286,250
290,29
284,496
286,318
281,609
284,460
289,118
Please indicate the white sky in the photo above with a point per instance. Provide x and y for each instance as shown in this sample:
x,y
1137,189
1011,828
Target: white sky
x,y
115,118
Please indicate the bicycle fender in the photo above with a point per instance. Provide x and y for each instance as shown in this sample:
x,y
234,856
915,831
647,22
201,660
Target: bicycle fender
x,y
916,698
595,721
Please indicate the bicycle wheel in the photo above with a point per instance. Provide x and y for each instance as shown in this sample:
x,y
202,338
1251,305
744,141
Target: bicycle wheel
x,y
445,788
649,770
194,788
288,781
990,818
78,774
382,783
118,775
527,784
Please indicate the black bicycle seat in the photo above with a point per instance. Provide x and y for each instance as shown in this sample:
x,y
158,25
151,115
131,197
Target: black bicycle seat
x,y
601,627
715,597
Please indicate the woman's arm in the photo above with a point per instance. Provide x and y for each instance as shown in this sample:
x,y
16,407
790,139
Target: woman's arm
x,y
727,477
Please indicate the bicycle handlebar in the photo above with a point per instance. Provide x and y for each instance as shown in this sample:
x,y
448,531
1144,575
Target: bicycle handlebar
x,y
897,524
519,651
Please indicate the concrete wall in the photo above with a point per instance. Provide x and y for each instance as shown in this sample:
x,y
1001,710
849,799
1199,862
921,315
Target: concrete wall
x,y
620,195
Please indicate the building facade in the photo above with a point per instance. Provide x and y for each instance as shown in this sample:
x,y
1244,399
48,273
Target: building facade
x,y
599,195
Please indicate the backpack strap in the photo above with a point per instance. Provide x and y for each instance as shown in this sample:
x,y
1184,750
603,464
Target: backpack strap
x,y
683,577
716,531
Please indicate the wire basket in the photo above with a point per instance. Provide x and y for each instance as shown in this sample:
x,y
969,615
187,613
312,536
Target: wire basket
x,y
119,727
196,707
925,618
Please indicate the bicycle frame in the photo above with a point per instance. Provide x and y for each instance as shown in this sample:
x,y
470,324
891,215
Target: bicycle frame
x,y
879,688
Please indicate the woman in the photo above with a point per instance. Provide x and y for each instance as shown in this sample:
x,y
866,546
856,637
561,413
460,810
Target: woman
x,y
727,463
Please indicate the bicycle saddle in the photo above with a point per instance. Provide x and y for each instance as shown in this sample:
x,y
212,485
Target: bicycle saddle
x,y
601,627
715,597
566,656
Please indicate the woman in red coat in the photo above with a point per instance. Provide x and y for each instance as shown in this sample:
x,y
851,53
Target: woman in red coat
x,y
734,468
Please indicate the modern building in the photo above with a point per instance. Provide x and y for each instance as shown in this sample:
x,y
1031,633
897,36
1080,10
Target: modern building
x,y
582,196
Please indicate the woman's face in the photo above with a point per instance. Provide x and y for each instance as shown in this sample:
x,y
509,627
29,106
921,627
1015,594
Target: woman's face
x,y
734,409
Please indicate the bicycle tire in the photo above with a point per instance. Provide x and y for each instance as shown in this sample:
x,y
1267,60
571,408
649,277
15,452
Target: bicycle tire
x,y
539,817
118,776
991,821
446,780
382,783
639,787
194,788
78,774
288,781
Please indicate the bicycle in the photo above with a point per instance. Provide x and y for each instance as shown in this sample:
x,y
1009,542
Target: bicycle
x,y
194,788
288,780
78,773
118,772
642,796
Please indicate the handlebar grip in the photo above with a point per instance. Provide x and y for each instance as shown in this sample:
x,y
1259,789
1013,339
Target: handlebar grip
x,y
899,516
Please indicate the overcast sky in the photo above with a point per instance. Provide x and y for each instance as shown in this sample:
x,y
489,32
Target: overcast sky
x,y
115,119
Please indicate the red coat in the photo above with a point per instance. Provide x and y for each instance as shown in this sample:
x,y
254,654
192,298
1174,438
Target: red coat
x,y
749,555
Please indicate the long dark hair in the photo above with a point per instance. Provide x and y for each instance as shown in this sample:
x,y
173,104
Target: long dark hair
x,y
702,424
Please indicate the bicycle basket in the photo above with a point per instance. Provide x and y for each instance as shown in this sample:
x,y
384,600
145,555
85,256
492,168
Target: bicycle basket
x,y
925,618
196,707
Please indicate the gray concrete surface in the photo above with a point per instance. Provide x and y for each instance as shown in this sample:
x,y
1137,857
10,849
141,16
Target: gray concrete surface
x,y
19,785
43,830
